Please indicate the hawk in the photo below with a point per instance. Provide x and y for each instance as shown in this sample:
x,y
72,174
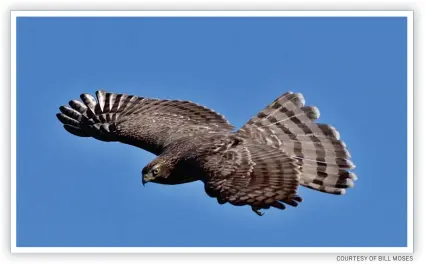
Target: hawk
x,y
261,165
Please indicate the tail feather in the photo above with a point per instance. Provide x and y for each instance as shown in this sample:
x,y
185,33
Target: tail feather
x,y
312,149
289,125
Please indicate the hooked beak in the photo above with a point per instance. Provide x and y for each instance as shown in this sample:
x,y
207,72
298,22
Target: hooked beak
x,y
147,178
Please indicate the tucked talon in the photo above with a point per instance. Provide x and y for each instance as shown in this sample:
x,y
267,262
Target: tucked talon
x,y
257,211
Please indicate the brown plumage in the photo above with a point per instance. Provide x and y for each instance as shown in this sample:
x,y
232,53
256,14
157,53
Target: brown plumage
x,y
261,165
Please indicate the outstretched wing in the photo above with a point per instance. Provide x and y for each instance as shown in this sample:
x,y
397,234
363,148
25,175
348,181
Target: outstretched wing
x,y
150,124
253,174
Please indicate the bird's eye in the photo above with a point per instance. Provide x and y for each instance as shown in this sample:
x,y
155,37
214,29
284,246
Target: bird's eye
x,y
155,171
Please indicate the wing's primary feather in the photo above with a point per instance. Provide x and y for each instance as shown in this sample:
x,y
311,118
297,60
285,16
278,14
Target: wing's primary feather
x,y
147,123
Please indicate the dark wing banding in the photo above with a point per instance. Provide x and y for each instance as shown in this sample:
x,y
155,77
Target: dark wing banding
x,y
150,124
288,125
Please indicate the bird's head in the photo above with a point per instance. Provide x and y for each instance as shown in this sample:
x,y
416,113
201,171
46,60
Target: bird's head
x,y
157,171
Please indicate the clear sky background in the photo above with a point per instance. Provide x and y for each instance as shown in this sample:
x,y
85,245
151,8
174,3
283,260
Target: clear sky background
x,y
75,191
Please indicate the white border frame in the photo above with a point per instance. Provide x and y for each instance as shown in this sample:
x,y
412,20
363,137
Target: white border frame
x,y
408,14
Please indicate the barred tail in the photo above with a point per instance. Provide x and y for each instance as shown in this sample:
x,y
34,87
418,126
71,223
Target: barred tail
x,y
95,118
289,125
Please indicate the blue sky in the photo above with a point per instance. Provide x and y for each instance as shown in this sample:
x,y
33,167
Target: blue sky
x,y
82,192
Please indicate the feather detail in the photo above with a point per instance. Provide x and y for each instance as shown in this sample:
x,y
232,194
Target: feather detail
x,y
260,176
288,125
151,124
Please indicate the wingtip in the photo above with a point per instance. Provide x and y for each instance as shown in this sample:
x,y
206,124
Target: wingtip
x,y
75,131
59,116
101,91
62,108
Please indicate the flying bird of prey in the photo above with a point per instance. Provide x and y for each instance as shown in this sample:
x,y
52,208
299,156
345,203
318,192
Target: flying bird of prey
x,y
260,165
